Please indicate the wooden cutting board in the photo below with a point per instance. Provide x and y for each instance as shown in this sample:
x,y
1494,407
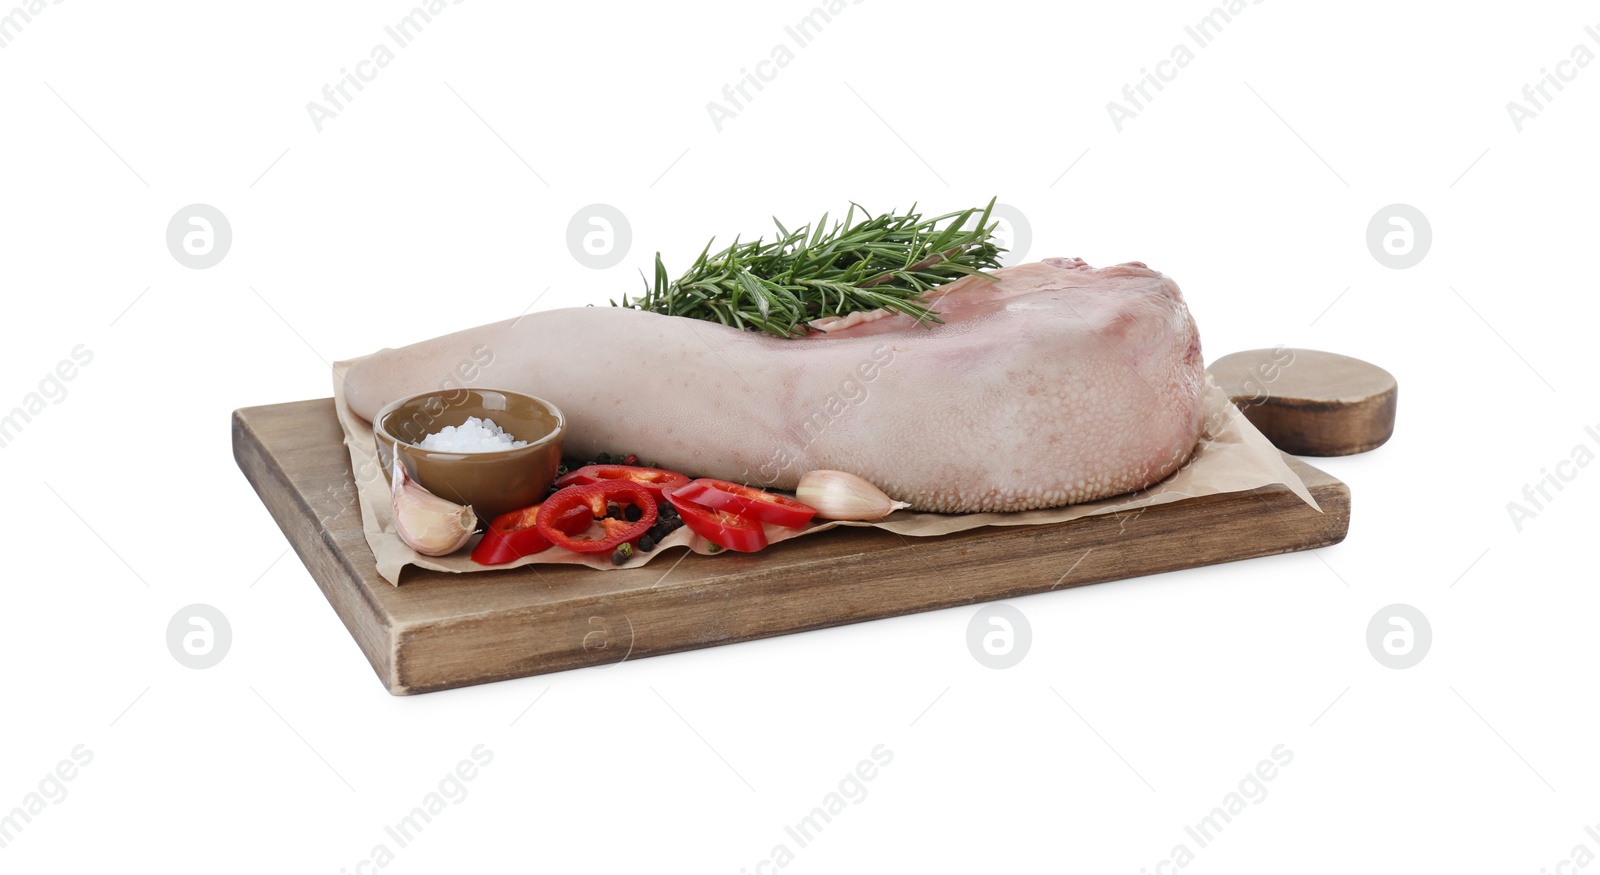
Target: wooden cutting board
x,y
439,630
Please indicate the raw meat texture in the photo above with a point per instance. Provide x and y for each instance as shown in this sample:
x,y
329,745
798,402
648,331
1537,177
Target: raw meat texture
x,y
1056,384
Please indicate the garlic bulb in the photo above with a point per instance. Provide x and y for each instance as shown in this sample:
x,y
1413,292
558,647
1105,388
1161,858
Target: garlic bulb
x,y
427,523
837,495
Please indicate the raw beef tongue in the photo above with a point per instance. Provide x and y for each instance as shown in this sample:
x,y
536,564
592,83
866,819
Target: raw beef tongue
x,y
1054,384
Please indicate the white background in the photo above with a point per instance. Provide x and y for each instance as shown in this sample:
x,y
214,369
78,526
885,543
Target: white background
x,y
425,207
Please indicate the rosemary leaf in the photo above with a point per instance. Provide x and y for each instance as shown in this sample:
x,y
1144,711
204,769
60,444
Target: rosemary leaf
x,y
815,271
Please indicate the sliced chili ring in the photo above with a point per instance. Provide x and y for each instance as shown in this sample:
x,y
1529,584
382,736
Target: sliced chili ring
x,y
514,535
652,479
726,529
589,501
768,507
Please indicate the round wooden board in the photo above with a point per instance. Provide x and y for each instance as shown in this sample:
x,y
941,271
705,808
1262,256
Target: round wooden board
x,y
1309,402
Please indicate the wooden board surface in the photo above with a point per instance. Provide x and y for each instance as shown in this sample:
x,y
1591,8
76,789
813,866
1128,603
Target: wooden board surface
x,y
1310,402
437,631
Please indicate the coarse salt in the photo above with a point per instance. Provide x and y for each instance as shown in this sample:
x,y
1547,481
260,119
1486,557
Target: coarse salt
x,y
473,436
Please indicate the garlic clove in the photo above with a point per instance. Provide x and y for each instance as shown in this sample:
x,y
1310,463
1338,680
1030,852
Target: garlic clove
x,y
427,523
838,495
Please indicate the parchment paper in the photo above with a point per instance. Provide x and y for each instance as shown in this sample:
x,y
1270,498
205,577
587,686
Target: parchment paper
x,y
1232,456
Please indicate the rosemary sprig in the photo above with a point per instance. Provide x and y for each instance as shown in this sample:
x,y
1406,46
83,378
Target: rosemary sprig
x,y
813,272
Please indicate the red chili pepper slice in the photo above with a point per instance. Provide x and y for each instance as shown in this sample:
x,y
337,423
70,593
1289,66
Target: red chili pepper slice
x,y
514,535
589,501
652,479
768,507
731,531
